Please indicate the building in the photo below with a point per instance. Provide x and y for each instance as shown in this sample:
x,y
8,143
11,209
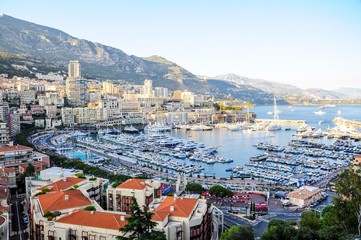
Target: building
x,y
145,191
148,87
14,124
81,115
67,198
4,135
74,69
4,111
183,218
13,156
177,95
188,99
10,174
27,97
161,92
304,196
76,92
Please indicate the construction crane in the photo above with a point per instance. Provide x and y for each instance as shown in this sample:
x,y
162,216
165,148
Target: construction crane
x,y
248,105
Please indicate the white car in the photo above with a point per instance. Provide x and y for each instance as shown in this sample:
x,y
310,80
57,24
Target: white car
x,y
26,220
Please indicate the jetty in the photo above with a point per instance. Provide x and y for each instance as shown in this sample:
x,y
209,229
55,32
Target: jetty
x,y
346,122
282,122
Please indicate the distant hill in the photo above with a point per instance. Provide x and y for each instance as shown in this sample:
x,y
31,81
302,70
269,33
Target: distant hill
x,y
27,48
51,46
290,92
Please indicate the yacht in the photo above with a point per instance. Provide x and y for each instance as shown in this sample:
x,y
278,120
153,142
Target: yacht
x,y
130,129
320,112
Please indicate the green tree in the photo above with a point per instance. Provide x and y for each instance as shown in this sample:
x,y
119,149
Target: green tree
x,y
309,219
333,232
29,170
140,225
194,188
240,232
306,233
219,191
90,208
279,229
348,205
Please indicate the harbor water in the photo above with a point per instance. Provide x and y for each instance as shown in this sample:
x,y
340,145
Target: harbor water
x,y
238,145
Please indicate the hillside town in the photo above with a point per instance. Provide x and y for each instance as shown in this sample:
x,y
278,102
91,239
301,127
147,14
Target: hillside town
x,y
72,168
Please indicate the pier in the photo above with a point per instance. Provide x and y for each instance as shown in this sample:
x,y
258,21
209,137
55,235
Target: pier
x,y
282,122
346,122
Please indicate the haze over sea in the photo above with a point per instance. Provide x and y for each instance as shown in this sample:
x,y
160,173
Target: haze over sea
x,y
238,145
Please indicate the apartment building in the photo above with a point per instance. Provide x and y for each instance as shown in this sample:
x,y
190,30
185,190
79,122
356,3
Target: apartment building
x,y
183,218
13,156
180,218
145,191
4,134
83,115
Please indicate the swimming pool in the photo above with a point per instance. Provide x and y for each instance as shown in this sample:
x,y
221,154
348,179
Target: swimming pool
x,y
74,155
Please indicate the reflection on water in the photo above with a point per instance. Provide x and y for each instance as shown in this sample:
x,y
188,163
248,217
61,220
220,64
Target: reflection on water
x,y
238,145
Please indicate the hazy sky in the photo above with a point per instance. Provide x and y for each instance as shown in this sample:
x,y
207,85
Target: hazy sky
x,y
306,43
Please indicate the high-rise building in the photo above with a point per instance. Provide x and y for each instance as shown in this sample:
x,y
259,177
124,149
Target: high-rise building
x,y
76,88
74,69
4,135
177,95
161,92
14,124
4,112
148,87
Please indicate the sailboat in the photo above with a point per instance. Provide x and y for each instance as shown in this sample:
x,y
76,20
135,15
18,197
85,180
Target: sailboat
x,y
275,125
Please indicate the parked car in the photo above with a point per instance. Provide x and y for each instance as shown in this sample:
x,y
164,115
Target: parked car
x,y
26,220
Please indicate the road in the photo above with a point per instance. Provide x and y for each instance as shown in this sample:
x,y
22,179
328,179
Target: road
x,y
18,227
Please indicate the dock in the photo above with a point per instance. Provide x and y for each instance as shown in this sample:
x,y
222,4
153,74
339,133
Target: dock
x,y
346,122
282,122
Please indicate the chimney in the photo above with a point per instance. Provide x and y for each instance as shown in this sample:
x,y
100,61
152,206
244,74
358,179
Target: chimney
x,y
122,218
66,197
92,212
171,208
64,179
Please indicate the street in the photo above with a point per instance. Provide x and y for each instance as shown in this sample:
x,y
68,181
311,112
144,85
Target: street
x,y
18,227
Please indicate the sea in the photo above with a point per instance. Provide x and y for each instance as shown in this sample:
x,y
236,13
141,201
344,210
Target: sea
x,y
239,145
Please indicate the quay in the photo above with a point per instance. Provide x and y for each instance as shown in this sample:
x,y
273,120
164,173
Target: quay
x,y
282,122
346,122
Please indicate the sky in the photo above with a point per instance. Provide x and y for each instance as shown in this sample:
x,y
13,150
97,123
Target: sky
x,y
305,43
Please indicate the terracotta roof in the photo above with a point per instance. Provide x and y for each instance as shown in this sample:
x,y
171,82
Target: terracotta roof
x,y
94,219
57,200
2,220
182,208
304,192
63,185
134,183
14,148
7,170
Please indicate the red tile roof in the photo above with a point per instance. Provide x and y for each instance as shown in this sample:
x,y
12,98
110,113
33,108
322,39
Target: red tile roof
x,y
7,170
182,208
94,219
134,183
14,148
63,185
57,200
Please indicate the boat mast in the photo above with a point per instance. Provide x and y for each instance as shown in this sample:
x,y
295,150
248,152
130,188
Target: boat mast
x,y
275,110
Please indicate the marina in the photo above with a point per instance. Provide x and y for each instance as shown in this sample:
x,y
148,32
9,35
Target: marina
x,y
226,150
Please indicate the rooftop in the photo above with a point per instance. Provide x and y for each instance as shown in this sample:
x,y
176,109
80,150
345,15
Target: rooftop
x,y
62,184
134,183
304,192
95,219
14,148
62,200
173,206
